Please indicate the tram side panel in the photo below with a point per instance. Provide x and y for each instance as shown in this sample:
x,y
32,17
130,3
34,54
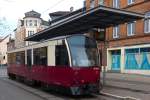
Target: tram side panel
x,y
16,64
50,64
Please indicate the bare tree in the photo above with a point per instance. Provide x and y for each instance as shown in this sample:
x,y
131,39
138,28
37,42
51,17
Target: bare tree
x,y
4,26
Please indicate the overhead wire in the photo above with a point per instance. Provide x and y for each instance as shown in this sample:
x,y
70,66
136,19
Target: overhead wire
x,y
53,6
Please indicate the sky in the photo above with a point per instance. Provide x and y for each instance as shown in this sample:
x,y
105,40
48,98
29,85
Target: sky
x,y
12,10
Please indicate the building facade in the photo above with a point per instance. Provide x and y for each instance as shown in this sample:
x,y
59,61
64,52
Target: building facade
x,y
127,45
29,25
3,50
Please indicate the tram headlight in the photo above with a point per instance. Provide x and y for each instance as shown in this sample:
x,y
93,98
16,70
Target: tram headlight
x,y
96,70
82,81
76,73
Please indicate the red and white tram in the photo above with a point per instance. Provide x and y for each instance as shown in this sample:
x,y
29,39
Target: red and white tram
x,y
70,63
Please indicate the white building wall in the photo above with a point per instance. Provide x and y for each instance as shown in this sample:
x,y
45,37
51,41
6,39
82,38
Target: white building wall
x,y
3,50
32,28
39,22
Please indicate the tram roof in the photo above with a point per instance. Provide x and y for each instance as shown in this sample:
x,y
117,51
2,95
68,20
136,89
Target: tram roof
x,y
81,22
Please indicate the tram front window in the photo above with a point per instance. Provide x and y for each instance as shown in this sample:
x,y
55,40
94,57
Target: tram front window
x,y
83,51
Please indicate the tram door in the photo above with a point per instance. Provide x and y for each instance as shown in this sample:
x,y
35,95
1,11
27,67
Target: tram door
x,y
29,58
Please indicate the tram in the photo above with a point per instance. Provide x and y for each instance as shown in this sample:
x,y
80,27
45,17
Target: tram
x,y
68,63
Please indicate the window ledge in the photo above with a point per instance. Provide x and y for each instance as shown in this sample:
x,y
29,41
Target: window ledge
x,y
147,32
130,35
115,37
130,4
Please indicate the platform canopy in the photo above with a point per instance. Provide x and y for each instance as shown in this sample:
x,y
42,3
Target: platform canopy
x,y
99,17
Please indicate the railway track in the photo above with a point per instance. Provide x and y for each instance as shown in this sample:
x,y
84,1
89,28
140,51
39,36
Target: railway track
x,y
49,96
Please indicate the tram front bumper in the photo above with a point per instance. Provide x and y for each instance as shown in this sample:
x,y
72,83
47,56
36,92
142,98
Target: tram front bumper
x,y
85,89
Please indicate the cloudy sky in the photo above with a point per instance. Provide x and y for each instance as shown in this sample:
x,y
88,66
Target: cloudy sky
x,y
12,10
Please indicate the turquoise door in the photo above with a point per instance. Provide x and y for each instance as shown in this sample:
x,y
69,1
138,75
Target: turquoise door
x,y
115,62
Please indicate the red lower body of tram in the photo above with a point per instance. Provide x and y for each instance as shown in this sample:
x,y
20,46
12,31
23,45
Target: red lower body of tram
x,y
75,80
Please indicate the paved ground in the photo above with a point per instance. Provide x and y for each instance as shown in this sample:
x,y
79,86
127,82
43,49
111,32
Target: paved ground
x,y
129,77
10,92
3,72
129,81
137,86
13,90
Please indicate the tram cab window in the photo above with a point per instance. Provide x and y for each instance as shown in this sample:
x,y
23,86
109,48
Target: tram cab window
x,y
40,56
29,59
61,53
83,51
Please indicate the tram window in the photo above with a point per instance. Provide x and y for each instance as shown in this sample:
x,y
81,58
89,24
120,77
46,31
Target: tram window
x,y
20,57
11,58
29,59
40,56
43,56
36,53
61,53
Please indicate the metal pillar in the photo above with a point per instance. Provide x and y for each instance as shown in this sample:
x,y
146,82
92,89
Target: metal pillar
x,y
104,76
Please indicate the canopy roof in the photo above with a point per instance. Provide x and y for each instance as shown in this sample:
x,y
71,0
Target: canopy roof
x,y
99,17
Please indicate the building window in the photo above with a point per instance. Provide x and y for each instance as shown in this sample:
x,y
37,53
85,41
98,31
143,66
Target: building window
x,y
131,29
35,22
30,33
147,23
130,2
92,3
30,22
137,58
101,2
99,34
26,22
3,57
116,32
116,3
